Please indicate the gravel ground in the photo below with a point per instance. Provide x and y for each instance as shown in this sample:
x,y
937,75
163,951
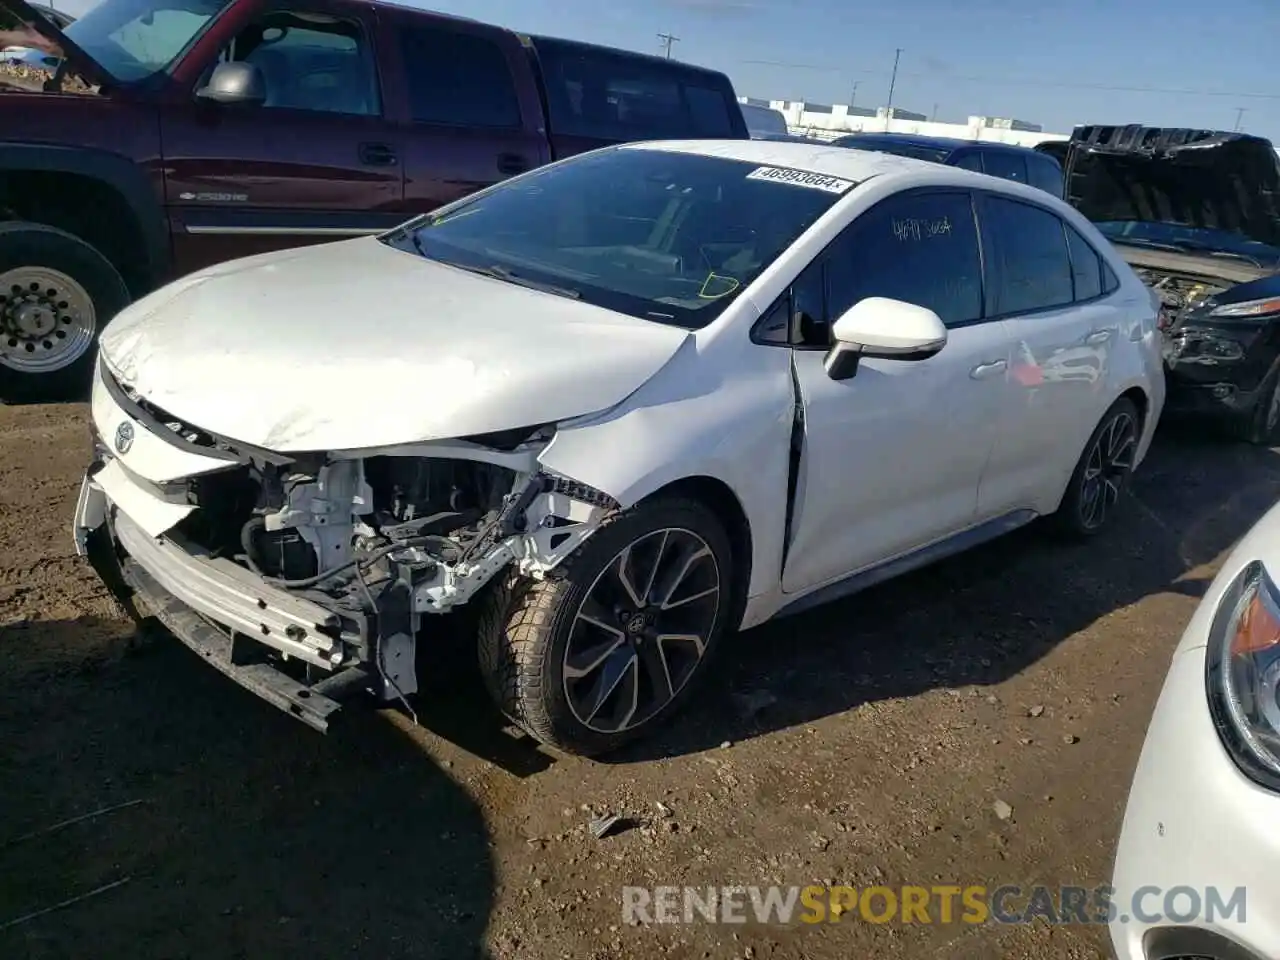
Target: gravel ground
x,y
866,742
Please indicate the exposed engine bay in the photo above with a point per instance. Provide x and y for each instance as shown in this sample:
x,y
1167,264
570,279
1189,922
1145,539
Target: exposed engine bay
x,y
1177,292
323,564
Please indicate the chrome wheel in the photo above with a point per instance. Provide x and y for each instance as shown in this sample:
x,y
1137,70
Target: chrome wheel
x,y
47,320
642,630
1109,463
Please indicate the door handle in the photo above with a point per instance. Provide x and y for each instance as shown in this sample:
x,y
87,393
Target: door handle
x,y
1097,337
988,369
377,155
512,163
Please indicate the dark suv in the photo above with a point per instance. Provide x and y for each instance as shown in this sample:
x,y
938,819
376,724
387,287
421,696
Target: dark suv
x,y
1022,164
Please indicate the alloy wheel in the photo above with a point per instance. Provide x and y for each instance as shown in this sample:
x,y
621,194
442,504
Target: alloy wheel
x,y
642,630
1108,466
47,320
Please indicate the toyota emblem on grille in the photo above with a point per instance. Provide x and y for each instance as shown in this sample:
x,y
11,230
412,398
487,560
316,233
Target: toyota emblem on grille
x,y
124,437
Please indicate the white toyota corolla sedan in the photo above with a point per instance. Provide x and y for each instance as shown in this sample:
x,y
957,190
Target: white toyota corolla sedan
x,y
618,407
1197,862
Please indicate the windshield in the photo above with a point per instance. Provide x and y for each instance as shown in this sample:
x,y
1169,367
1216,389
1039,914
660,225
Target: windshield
x,y
132,39
1182,237
916,151
664,236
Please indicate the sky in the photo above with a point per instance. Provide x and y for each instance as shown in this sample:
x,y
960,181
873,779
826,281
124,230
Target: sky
x,y
1159,62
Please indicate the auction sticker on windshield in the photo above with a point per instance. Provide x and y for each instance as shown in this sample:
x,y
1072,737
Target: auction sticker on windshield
x,y
801,178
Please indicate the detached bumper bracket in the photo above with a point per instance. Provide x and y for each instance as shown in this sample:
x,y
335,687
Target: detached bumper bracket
x,y
308,704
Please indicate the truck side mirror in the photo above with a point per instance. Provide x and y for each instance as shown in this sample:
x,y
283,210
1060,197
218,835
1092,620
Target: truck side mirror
x,y
235,82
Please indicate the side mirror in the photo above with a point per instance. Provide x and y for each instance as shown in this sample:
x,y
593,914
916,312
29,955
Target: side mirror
x,y
235,82
883,328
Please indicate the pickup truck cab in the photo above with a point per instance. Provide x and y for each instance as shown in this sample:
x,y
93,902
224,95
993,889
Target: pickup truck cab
x,y
178,134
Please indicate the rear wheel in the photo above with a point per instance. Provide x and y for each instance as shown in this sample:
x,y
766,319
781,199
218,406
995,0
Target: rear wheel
x,y
1101,477
56,293
603,651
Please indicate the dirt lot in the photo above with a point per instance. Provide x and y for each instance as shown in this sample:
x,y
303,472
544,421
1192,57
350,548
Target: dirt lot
x,y
898,718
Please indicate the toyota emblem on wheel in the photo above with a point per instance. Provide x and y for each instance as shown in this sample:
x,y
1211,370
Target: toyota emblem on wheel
x,y
124,437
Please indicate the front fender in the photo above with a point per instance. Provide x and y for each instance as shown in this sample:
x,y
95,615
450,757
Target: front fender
x,y
692,419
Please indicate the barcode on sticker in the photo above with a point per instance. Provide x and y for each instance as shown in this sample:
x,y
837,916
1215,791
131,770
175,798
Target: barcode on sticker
x,y
801,178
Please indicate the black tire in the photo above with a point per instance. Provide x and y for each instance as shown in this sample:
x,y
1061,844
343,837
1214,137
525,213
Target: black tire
x,y
1262,424
1077,516
26,249
527,627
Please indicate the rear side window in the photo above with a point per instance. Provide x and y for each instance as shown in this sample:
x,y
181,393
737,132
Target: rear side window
x,y
1045,174
1086,265
1006,166
458,79
602,95
710,112
1029,260
921,248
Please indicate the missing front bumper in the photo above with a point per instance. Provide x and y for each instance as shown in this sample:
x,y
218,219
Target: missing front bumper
x,y
230,621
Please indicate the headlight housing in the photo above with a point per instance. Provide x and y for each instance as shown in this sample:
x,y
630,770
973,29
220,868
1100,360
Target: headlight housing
x,y
1247,309
1242,674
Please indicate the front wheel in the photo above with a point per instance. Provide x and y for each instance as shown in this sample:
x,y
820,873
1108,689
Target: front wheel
x,y
56,293
1101,477
611,644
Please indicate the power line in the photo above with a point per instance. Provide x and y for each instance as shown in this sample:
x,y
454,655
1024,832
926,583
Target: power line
x,y
667,40
1021,82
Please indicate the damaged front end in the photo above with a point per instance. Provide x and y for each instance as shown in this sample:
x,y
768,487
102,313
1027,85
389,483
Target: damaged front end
x,y
311,577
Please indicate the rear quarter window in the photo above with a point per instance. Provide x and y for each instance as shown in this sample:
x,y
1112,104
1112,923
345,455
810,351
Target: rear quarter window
x,y
607,95
1045,174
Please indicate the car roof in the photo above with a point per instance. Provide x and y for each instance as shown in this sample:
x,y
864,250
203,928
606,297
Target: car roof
x,y
950,143
811,157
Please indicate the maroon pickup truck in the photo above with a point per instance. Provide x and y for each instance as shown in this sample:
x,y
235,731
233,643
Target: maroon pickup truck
x,y
177,134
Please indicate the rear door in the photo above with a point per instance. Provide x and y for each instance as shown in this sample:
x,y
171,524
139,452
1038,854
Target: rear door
x,y
318,161
468,110
598,96
1047,284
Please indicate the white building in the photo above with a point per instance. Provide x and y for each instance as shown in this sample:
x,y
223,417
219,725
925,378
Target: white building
x,y
828,121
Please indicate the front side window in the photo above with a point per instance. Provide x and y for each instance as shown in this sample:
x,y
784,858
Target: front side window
x,y
1028,257
921,248
664,236
458,78
311,61
970,160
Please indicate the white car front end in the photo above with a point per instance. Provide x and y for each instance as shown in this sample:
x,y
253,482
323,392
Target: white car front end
x,y
194,420
1196,865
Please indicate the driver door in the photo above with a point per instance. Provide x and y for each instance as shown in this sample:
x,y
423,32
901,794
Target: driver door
x,y
317,162
893,456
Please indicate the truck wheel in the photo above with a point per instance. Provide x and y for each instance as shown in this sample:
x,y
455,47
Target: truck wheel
x,y
56,293
612,642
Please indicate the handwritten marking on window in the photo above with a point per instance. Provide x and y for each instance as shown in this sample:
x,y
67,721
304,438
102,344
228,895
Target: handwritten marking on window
x,y
915,228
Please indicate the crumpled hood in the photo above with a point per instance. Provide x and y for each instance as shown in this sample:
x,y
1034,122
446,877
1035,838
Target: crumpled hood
x,y
1200,178
354,344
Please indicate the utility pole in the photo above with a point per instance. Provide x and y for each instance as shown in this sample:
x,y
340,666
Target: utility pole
x,y
1240,111
667,40
934,116
893,81
853,97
